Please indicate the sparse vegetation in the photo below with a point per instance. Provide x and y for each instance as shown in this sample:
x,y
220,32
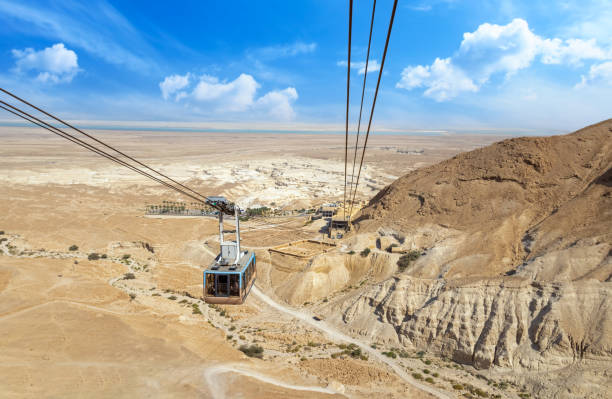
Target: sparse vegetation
x,y
390,247
390,354
93,256
196,309
184,301
252,350
429,379
155,294
103,256
406,259
132,296
172,298
457,387
365,252
126,257
129,276
229,336
73,247
426,371
351,252
417,376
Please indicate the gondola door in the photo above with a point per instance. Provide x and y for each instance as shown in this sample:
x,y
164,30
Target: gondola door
x,y
222,283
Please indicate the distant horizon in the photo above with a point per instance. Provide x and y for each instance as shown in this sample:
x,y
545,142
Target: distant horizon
x,y
228,127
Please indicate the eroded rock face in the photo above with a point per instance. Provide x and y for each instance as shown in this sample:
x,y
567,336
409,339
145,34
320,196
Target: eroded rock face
x,y
507,323
516,271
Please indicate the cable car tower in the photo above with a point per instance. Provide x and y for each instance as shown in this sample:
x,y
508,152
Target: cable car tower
x,y
229,279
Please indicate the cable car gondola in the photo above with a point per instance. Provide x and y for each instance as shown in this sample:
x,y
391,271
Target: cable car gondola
x,y
229,279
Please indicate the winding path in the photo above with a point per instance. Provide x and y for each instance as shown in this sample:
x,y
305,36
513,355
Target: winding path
x,y
334,334
212,372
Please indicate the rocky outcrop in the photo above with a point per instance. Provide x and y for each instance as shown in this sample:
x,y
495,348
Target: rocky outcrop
x,y
516,271
511,322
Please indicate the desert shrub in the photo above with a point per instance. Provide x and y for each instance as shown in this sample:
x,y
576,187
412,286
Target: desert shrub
x,y
125,257
325,300
365,252
392,355
458,387
252,350
426,371
351,252
429,379
172,298
73,248
1,232
390,247
129,276
155,294
222,313
183,301
132,296
3,239
481,393
417,376
229,336
242,337
232,328
405,260
93,256
427,362
103,256
420,354
196,309
435,375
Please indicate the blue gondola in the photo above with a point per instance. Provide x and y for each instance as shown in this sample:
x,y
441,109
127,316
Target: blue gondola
x,y
229,279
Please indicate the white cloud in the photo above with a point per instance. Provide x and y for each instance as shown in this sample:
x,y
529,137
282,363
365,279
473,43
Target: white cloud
x,y
495,49
172,84
278,103
373,66
599,73
94,26
571,51
238,95
442,79
285,50
54,64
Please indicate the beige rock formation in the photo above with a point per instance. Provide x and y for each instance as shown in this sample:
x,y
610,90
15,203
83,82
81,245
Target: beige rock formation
x,y
517,264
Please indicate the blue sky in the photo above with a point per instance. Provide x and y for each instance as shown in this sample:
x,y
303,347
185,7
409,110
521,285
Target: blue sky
x,y
542,66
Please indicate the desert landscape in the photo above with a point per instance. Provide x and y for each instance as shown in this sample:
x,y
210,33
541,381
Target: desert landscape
x,y
99,299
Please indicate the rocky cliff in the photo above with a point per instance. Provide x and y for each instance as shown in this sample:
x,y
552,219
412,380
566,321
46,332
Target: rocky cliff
x,y
516,264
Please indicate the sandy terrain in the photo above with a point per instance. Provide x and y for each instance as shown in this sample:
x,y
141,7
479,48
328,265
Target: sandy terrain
x,y
73,327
